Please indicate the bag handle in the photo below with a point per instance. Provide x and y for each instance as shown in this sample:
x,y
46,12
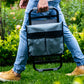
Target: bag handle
x,y
50,7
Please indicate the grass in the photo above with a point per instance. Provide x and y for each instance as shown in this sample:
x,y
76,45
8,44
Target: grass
x,y
30,76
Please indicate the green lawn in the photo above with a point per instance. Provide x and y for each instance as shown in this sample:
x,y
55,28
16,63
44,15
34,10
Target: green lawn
x,y
30,76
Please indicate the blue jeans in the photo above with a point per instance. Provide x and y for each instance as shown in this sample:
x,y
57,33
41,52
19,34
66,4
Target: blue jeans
x,y
22,54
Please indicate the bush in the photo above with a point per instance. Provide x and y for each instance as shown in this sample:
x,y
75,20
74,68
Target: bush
x,y
13,17
8,48
74,16
8,2
74,12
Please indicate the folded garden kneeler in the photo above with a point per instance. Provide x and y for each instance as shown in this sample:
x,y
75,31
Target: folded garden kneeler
x,y
45,41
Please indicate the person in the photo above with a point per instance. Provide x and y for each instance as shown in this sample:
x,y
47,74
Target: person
x,y
22,56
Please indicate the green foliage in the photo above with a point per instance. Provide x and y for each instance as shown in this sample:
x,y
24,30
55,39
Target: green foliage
x,y
8,48
13,17
74,15
74,12
8,2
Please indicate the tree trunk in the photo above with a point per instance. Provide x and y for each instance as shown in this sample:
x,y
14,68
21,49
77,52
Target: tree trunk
x,y
2,31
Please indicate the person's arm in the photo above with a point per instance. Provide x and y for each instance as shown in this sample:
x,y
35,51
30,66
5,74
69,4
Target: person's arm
x,y
42,5
23,3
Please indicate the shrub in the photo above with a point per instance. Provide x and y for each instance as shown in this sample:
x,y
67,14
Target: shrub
x,y
8,2
74,15
8,48
13,17
74,12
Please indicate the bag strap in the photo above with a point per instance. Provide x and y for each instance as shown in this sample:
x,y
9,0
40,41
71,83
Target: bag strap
x,y
46,16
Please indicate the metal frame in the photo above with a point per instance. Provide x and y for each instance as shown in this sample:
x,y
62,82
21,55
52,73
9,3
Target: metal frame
x,y
43,16
45,62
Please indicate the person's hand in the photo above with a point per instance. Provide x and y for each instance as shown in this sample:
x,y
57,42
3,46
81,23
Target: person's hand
x,y
42,6
23,3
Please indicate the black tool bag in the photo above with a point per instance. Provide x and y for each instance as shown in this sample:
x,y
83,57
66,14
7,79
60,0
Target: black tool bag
x,y
45,41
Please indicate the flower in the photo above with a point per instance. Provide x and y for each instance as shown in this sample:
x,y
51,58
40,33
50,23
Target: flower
x,y
69,26
73,18
75,28
62,55
12,13
67,51
57,82
18,27
13,17
76,14
81,35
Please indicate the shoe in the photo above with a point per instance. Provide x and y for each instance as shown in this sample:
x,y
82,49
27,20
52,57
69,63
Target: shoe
x,y
78,71
9,76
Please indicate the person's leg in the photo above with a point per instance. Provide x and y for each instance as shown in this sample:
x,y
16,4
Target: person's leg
x,y
71,42
22,54
73,47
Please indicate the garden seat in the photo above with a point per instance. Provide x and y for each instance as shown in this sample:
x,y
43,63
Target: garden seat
x,y
45,40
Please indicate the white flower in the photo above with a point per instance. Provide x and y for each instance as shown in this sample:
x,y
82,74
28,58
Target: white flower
x,y
18,27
